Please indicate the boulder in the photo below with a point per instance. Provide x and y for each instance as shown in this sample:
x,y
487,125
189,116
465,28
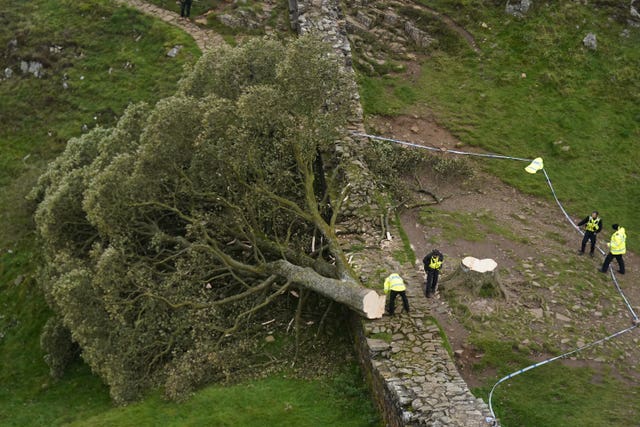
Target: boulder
x,y
517,8
590,41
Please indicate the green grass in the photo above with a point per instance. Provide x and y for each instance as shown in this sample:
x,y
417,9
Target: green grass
x,y
473,227
588,100
39,116
553,394
384,336
98,40
274,401
443,336
109,57
406,255
556,395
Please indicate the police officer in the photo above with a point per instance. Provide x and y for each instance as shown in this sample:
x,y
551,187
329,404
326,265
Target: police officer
x,y
592,227
617,248
185,8
432,266
394,285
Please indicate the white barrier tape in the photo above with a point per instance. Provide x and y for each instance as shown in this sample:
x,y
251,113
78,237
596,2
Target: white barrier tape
x,y
573,224
426,147
553,192
615,281
544,362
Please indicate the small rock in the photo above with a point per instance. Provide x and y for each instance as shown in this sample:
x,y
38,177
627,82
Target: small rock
x,y
377,345
538,313
590,41
8,73
173,52
269,338
562,318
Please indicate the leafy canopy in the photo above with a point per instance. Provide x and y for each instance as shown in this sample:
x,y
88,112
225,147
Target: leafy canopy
x,y
160,233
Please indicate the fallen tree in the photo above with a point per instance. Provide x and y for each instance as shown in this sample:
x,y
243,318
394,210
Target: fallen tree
x,y
165,235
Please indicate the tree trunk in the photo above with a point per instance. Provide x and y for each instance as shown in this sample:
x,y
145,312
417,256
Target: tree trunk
x,y
478,276
364,301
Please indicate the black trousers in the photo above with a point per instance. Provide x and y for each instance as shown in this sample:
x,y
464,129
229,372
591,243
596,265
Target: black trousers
x,y
392,301
607,261
432,281
588,235
185,8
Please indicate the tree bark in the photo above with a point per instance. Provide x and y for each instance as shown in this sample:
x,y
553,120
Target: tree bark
x,y
479,276
364,301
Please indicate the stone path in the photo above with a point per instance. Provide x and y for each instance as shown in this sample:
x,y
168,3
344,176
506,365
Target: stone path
x,y
409,355
205,39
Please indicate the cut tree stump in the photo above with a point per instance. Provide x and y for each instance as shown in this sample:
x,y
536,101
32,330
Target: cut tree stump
x,y
479,276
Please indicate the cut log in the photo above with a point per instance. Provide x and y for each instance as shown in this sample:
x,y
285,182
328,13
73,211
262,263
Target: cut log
x,y
480,276
364,301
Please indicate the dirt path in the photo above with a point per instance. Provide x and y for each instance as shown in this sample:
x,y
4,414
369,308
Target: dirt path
x,y
462,32
556,299
205,39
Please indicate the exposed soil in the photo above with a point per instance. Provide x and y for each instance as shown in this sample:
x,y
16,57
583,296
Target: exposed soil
x,y
556,300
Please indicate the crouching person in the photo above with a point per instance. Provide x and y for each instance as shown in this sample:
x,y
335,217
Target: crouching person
x,y
394,286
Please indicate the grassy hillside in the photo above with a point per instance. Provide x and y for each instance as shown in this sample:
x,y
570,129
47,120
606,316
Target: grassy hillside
x,y
107,57
534,90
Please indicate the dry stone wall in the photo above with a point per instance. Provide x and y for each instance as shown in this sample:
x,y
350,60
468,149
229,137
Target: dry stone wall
x,y
412,375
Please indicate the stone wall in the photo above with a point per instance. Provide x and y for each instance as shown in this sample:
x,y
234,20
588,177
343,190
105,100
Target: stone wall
x,y
412,376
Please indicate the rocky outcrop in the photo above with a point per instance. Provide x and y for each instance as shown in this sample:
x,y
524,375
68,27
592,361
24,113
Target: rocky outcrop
x,y
518,8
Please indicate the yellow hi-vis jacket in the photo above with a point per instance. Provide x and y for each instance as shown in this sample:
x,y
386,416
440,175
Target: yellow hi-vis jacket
x,y
592,225
394,283
618,242
435,263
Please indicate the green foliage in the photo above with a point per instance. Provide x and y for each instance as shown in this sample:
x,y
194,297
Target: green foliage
x,y
56,341
158,232
392,163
